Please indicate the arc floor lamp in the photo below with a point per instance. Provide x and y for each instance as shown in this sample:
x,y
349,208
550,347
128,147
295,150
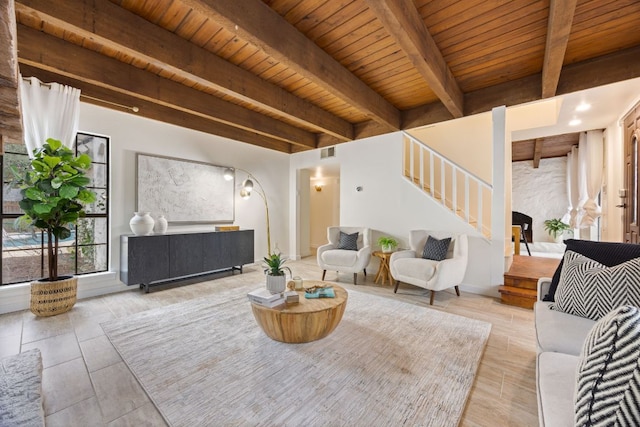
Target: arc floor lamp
x,y
245,192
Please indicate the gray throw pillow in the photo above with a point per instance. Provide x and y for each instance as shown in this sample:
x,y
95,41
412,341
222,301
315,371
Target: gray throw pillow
x,y
436,249
608,374
590,289
348,241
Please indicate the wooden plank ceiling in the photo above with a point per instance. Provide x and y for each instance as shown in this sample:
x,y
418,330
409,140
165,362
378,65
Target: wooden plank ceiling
x,y
293,75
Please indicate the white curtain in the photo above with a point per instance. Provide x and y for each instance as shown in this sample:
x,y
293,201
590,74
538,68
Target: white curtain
x,y
573,192
594,164
50,110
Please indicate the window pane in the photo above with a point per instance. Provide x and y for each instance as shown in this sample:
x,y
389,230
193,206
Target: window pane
x,y
92,230
98,175
18,161
11,198
94,146
100,205
66,261
21,265
92,258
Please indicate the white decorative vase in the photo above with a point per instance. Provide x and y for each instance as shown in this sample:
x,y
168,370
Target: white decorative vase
x,y
161,225
387,248
276,284
141,223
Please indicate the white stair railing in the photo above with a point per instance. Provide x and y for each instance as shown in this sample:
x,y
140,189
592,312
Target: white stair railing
x,y
458,190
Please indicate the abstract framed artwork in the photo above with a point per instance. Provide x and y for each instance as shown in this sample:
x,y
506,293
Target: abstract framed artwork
x,y
184,191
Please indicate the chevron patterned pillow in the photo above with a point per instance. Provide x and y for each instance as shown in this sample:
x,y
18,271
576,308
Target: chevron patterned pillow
x,y
436,249
348,241
590,289
608,375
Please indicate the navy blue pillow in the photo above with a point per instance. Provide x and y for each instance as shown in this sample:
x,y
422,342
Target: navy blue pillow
x,y
348,241
436,249
607,253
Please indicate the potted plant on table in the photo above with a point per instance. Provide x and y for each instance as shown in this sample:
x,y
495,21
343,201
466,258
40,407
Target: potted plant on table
x,y
388,244
555,227
54,193
275,272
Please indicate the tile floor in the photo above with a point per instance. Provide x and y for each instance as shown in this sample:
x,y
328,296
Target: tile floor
x,y
86,383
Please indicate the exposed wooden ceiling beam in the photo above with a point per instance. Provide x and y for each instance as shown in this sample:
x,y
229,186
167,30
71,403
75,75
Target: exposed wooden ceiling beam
x,y
255,22
10,118
55,55
607,69
403,22
140,38
537,152
558,29
157,112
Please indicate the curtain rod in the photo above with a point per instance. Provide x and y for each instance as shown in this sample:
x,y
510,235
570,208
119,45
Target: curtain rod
x,y
82,95
132,108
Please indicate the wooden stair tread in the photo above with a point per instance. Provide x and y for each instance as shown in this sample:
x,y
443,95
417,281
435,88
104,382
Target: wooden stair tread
x,y
511,290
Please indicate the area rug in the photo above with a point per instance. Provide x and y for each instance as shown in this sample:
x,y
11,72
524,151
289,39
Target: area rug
x,y
206,362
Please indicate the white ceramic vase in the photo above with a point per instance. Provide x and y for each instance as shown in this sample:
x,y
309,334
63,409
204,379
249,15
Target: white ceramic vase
x,y
161,225
141,223
276,284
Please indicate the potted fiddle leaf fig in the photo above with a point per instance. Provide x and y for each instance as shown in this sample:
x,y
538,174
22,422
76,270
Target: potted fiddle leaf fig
x,y
275,272
54,192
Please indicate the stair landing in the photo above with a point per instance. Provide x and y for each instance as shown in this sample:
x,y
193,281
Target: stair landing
x,y
520,282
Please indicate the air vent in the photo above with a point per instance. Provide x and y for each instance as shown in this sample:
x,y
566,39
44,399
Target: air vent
x,y
328,152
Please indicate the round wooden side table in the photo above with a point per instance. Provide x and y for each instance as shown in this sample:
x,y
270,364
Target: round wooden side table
x,y
308,320
384,271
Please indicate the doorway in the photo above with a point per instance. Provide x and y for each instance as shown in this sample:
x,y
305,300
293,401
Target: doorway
x,y
319,206
629,195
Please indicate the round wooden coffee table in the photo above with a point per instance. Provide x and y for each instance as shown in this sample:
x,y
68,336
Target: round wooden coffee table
x,y
308,320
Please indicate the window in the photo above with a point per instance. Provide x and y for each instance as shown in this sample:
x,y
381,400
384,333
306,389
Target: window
x,y
86,251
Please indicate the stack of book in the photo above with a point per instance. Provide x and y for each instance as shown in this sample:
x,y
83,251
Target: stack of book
x,y
265,298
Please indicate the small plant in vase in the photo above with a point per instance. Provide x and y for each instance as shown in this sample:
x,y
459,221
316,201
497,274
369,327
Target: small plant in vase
x,y
388,244
275,273
555,227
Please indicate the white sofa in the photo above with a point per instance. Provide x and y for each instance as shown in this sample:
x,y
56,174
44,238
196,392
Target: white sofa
x,y
559,338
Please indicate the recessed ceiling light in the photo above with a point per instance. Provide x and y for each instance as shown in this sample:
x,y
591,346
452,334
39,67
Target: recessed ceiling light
x,y
583,106
575,122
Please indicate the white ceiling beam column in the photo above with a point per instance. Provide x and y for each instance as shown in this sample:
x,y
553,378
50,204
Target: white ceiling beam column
x,y
255,22
403,22
558,30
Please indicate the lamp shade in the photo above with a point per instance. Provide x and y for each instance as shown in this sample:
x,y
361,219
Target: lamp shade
x,y
247,185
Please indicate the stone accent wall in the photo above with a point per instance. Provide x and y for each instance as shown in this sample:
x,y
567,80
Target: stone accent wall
x,y
540,193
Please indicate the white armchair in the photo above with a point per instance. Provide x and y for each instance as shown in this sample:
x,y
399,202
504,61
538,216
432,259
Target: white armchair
x,y
348,261
408,266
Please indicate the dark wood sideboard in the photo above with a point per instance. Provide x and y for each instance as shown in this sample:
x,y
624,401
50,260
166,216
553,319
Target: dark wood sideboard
x,y
156,258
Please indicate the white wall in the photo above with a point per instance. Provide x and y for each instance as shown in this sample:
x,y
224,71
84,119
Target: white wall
x,y
130,134
540,193
390,204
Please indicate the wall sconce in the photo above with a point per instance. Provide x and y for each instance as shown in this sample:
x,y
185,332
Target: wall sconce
x,y
318,187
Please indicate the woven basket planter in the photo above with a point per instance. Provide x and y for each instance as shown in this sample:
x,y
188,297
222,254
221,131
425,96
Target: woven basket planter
x,y
51,298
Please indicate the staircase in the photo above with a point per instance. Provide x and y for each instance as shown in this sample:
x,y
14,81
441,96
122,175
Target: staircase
x,y
521,281
457,190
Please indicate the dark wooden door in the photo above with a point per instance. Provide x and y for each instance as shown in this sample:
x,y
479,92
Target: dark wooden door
x,y
629,196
